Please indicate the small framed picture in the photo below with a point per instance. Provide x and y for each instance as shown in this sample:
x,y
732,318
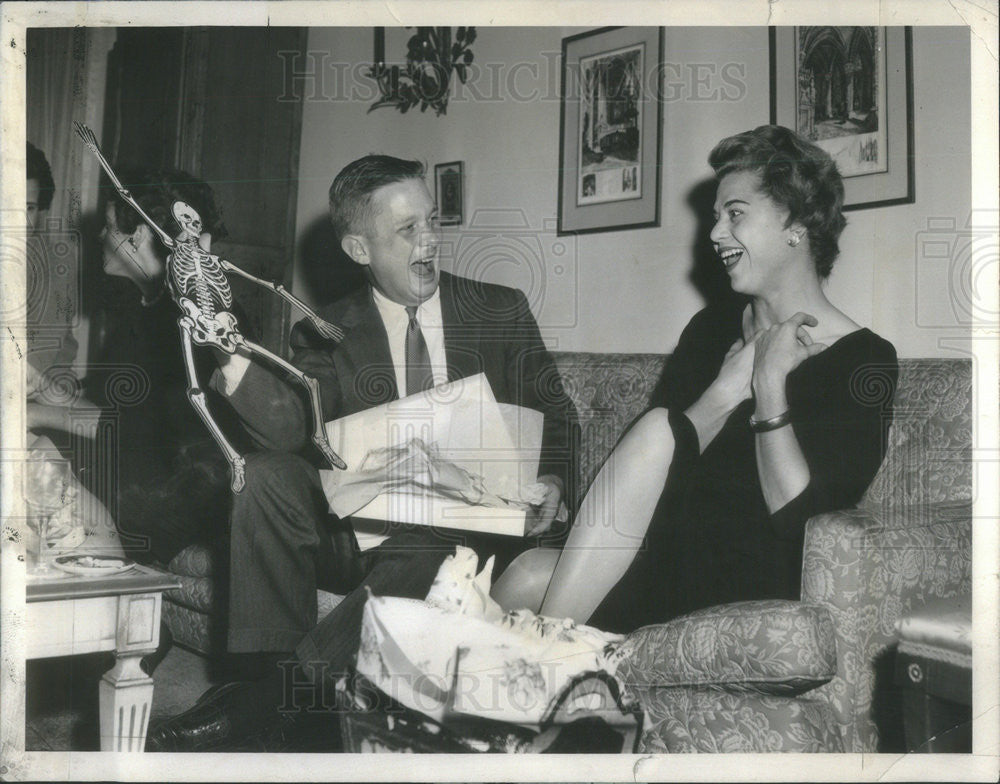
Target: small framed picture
x,y
449,192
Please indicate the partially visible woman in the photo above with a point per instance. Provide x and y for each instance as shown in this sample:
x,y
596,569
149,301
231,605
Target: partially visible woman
x,y
171,478
59,420
766,416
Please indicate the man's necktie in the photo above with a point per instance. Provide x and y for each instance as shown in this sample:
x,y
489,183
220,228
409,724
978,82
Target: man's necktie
x,y
419,375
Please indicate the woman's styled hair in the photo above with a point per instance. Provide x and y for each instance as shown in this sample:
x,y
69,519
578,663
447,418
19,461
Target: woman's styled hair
x,y
796,175
351,208
38,169
156,192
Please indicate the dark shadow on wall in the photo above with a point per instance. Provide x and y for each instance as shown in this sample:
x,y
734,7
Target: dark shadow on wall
x,y
707,273
328,272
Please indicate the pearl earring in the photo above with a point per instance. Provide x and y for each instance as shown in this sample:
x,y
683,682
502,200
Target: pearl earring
x,y
794,240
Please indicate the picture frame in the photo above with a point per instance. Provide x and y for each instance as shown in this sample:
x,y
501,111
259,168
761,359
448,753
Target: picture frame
x,y
850,90
610,130
449,193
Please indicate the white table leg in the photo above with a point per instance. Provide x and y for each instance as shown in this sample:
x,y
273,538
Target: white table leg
x,y
126,696
126,692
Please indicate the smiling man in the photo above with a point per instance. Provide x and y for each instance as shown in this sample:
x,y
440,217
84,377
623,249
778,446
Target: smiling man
x,y
411,328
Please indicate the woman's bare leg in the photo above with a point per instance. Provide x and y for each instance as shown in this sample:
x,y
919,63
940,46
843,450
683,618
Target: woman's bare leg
x,y
612,520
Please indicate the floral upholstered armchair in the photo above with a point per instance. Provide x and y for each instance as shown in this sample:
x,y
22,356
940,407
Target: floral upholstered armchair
x,y
811,675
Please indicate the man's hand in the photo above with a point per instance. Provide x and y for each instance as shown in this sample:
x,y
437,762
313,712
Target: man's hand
x,y
540,518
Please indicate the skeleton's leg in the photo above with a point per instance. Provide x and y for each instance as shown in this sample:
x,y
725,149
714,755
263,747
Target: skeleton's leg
x,y
325,328
319,432
197,397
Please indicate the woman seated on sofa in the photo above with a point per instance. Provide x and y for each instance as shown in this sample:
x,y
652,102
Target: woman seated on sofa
x,y
172,480
765,418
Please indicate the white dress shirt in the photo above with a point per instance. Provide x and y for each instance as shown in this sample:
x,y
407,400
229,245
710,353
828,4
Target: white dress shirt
x,y
396,321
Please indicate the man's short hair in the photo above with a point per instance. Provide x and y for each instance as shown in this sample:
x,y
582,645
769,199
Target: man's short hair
x,y
38,170
351,207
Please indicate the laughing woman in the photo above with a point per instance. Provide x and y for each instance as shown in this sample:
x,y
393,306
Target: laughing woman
x,y
763,419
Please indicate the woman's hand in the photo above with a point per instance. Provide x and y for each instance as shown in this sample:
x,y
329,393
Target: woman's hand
x,y
779,350
731,387
733,384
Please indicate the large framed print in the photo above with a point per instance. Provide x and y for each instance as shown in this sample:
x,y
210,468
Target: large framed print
x,y
850,90
610,130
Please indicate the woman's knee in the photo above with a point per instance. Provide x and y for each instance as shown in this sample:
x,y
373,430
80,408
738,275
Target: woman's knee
x,y
652,435
531,570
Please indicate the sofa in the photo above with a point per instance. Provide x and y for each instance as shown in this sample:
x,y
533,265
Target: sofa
x,y
811,675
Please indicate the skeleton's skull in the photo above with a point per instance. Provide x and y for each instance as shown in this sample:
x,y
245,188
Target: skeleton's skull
x,y
187,218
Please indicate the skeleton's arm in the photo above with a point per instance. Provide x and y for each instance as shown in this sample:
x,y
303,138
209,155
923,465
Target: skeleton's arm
x,y
325,328
91,141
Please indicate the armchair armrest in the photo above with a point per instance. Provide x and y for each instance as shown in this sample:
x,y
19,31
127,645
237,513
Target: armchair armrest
x,y
869,566
890,550
772,647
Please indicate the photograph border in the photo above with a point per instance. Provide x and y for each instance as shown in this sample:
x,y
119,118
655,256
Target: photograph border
x,y
981,765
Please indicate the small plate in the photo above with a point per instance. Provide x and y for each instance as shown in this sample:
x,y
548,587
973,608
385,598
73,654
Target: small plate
x,y
92,565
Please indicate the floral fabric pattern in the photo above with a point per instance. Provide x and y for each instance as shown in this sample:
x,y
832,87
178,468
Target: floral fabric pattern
x,y
929,454
774,647
609,392
192,561
684,720
908,542
868,572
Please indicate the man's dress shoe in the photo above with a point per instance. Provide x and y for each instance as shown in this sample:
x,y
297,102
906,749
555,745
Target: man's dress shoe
x,y
221,720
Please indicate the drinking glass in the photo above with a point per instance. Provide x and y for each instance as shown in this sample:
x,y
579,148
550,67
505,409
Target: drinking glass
x,y
48,489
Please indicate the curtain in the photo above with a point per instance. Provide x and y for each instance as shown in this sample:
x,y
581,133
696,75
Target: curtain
x,y
65,83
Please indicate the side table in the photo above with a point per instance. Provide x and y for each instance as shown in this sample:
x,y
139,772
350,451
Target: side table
x,y
71,615
934,668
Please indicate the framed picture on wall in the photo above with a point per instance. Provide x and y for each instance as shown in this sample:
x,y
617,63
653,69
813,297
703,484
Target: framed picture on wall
x,y
850,90
448,192
610,130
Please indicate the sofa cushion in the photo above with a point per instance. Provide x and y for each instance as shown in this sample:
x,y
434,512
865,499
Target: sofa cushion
x,y
686,720
775,647
195,593
193,561
608,391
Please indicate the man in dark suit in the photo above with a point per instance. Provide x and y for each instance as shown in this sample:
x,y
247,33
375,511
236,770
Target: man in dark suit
x,y
412,328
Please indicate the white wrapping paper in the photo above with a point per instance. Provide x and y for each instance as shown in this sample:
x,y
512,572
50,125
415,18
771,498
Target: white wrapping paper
x,y
459,653
451,457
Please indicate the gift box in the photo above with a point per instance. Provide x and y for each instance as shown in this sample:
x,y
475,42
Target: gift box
x,y
451,457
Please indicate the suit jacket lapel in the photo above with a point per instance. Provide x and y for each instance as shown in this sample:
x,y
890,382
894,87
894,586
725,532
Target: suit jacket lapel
x,y
460,338
366,344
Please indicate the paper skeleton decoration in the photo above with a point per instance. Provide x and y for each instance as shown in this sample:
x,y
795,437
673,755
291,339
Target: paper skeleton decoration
x,y
198,284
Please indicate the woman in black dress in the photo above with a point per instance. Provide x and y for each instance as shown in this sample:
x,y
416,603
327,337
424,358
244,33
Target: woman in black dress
x,y
771,411
170,479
